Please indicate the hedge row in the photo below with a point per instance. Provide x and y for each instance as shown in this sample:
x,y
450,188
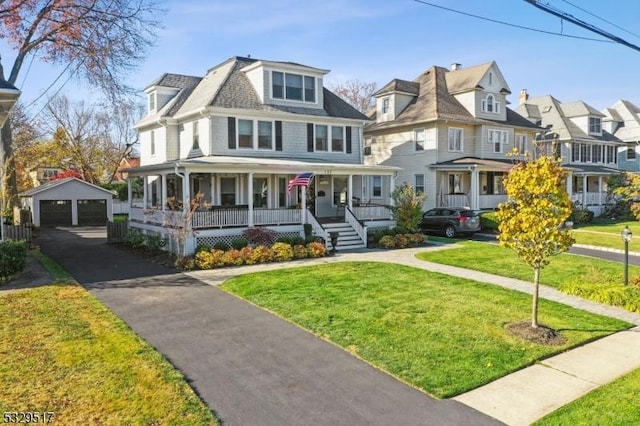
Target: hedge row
x,y
13,258
279,252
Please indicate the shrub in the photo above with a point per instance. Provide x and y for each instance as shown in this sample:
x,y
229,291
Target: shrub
x,y
399,230
221,245
134,238
261,254
185,263
313,239
613,294
203,247
239,243
13,258
308,230
209,259
579,215
232,257
316,249
300,251
154,243
387,242
260,236
407,206
245,253
416,238
489,222
292,241
282,252
378,234
401,240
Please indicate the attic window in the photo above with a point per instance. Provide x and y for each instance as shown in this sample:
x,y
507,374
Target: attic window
x,y
490,78
152,102
489,104
595,125
385,105
295,87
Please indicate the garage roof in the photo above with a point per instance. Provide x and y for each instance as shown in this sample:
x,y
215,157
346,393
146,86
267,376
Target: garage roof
x,y
54,183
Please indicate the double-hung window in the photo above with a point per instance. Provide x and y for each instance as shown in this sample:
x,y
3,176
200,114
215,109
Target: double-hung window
x,y
418,137
376,186
419,183
455,139
337,139
265,135
245,134
497,138
322,138
295,87
255,134
196,137
521,143
385,105
595,125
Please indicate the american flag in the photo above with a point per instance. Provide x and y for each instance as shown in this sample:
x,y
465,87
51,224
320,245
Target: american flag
x,y
302,179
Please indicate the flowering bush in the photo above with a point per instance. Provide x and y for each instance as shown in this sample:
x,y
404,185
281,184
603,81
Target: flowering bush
x,y
186,263
246,253
300,252
416,239
233,258
401,240
316,249
260,236
209,259
261,254
282,252
387,242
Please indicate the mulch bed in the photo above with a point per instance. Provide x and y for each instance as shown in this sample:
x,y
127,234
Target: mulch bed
x,y
541,335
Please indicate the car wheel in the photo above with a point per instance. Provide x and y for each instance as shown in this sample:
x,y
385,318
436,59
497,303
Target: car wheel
x,y
450,231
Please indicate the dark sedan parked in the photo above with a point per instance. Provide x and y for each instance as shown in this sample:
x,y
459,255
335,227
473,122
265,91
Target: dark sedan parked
x,y
451,221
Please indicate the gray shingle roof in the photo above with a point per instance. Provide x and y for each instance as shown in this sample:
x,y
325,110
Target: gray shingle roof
x,y
579,109
397,85
628,115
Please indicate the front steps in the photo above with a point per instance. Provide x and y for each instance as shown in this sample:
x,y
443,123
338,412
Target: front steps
x,y
348,239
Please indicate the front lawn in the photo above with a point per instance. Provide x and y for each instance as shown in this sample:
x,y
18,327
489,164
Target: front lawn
x,y
63,352
494,259
607,234
440,333
591,409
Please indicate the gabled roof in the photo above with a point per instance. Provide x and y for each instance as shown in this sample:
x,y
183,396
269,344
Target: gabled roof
x,y
434,102
227,86
397,85
579,109
466,79
58,182
185,83
628,115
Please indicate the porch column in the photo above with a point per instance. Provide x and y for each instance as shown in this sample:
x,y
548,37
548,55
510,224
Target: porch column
x,y
163,197
350,192
250,197
599,190
186,193
212,186
392,185
303,203
129,192
570,185
145,191
475,188
584,191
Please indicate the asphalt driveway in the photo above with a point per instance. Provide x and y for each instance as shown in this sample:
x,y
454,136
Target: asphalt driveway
x,y
248,365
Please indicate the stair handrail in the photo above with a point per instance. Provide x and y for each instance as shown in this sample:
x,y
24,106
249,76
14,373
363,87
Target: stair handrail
x,y
356,224
317,229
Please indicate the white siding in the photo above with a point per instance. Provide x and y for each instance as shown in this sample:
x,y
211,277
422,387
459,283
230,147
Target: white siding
x,y
160,142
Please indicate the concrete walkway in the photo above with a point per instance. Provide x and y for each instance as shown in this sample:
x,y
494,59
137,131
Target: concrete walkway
x,y
529,394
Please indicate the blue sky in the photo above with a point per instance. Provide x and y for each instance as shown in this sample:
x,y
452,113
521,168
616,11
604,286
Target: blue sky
x,y
377,40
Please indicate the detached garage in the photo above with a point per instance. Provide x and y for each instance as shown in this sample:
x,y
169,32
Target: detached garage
x,y
67,202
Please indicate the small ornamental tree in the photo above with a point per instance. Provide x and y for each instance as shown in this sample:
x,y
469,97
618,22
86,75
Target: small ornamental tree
x,y
407,207
531,221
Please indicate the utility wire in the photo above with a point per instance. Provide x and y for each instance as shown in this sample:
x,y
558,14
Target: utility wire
x,y
509,24
601,18
565,16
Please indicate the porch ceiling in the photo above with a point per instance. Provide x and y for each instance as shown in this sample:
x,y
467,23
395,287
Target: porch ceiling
x,y
224,164
591,170
480,163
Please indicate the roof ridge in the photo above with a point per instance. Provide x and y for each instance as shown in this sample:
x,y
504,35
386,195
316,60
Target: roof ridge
x,y
236,60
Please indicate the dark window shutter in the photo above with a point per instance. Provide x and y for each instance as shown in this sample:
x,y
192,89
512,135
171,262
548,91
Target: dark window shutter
x,y
278,135
348,139
231,124
309,137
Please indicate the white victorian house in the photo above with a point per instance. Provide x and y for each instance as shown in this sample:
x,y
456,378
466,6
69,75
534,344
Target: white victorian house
x,y
237,136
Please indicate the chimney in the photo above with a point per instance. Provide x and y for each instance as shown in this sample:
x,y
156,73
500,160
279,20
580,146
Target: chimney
x,y
455,66
524,96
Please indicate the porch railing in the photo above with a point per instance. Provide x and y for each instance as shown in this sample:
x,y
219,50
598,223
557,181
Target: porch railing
x,y
220,218
316,228
491,201
277,216
453,200
372,212
360,229
592,198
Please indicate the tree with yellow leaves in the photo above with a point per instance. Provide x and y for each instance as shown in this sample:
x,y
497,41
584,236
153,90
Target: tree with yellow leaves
x,y
532,219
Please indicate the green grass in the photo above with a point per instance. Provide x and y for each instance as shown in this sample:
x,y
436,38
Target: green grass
x,y
617,403
604,233
498,260
120,218
440,333
63,351
57,271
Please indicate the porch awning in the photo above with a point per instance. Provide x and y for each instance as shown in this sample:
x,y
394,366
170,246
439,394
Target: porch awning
x,y
224,164
480,163
580,169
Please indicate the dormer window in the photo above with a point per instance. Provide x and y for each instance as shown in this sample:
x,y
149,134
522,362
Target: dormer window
x,y
293,87
152,102
595,125
385,105
489,104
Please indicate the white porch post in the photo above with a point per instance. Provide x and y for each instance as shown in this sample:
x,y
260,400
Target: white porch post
x,y
163,199
212,186
186,192
145,192
570,185
599,190
350,192
250,197
392,185
129,192
475,189
584,190
303,203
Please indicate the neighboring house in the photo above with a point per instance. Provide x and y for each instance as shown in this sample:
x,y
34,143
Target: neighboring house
x,y
43,174
128,162
451,133
238,135
575,131
66,202
622,120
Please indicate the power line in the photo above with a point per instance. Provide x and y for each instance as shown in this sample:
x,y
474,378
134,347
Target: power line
x,y
565,16
509,24
601,18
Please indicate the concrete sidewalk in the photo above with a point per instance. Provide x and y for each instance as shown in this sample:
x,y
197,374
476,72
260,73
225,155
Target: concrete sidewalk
x,y
529,394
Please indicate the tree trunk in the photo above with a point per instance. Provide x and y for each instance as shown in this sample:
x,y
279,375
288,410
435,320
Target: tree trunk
x,y
7,165
534,310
